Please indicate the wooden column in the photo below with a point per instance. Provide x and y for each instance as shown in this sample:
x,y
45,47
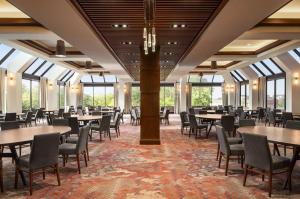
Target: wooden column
x,y
150,85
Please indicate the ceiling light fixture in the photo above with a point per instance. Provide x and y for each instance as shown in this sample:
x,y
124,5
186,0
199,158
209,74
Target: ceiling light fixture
x,y
88,64
60,49
178,25
172,43
126,42
101,74
119,25
149,34
213,65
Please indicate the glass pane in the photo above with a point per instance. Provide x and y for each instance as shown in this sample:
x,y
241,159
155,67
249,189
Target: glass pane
x,y
4,49
25,94
272,66
263,69
62,93
43,69
110,78
295,56
270,93
194,78
86,78
55,72
69,74
256,71
236,76
109,97
207,78
99,96
241,74
167,96
74,78
218,78
135,96
98,79
243,95
217,96
247,96
201,96
280,93
87,96
35,94
34,66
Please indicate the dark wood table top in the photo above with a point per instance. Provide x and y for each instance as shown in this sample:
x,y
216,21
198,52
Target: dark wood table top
x,y
23,135
275,134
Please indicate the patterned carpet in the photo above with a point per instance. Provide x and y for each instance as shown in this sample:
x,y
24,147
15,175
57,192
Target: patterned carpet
x,y
181,167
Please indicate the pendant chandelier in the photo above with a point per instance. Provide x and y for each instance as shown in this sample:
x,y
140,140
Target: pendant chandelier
x,y
149,35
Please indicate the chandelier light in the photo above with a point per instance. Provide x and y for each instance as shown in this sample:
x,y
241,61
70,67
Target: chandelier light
x,y
149,35
60,49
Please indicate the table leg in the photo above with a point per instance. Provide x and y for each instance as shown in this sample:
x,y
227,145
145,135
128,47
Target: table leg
x,y
16,158
211,124
1,175
292,165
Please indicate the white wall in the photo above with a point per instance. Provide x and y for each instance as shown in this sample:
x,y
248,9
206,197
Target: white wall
x,y
14,92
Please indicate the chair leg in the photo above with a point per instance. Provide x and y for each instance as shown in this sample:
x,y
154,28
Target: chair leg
x,y
85,160
57,174
78,163
220,159
245,174
270,183
64,160
218,151
87,152
263,177
30,182
108,132
44,174
227,163
16,177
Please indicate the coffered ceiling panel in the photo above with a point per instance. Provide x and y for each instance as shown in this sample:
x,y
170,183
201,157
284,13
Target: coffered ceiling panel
x,y
119,23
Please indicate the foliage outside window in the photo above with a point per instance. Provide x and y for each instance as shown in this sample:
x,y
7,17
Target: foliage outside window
x,y
201,96
276,93
135,96
244,97
98,96
167,96
30,94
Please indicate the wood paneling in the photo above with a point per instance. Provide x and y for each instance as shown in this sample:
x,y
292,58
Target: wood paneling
x,y
102,14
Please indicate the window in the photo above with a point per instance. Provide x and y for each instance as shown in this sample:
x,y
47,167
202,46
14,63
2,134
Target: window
x,y
270,94
167,96
266,67
216,96
61,96
244,95
259,74
135,96
201,96
295,54
280,93
98,96
263,69
272,66
30,94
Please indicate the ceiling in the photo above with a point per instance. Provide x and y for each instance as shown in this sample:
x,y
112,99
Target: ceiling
x,y
125,42
9,11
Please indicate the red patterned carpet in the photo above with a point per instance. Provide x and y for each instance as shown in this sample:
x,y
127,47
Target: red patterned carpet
x,y
180,167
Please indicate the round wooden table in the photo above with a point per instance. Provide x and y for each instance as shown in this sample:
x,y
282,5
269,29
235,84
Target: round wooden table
x,y
277,135
21,136
211,117
86,118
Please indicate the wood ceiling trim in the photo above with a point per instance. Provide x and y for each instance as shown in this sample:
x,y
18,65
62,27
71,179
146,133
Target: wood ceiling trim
x,y
18,22
80,66
46,50
257,52
99,34
279,22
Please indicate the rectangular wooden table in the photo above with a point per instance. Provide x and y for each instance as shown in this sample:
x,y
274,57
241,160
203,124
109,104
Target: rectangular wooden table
x,y
277,135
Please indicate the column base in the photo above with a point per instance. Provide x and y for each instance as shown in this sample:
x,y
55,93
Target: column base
x,y
150,142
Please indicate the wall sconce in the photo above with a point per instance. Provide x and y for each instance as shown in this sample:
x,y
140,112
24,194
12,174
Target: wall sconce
x,y
254,84
50,85
11,79
178,87
186,88
125,89
296,78
232,87
229,87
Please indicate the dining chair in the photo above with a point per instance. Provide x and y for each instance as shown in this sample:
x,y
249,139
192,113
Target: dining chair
x,y
272,119
66,115
10,117
228,150
115,124
165,116
103,127
60,122
195,126
285,117
184,121
258,159
77,149
192,111
44,154
27,120
292,124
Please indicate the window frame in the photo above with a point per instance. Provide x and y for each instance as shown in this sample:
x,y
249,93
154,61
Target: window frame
x,y
210,85
274,78
93,85
244,83
30,92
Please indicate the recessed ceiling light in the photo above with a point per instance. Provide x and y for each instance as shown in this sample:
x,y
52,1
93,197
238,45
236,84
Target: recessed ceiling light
x,y
126,42
175,25
182,25
168,53
178,25
172,42
124,26
115,25
119,25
